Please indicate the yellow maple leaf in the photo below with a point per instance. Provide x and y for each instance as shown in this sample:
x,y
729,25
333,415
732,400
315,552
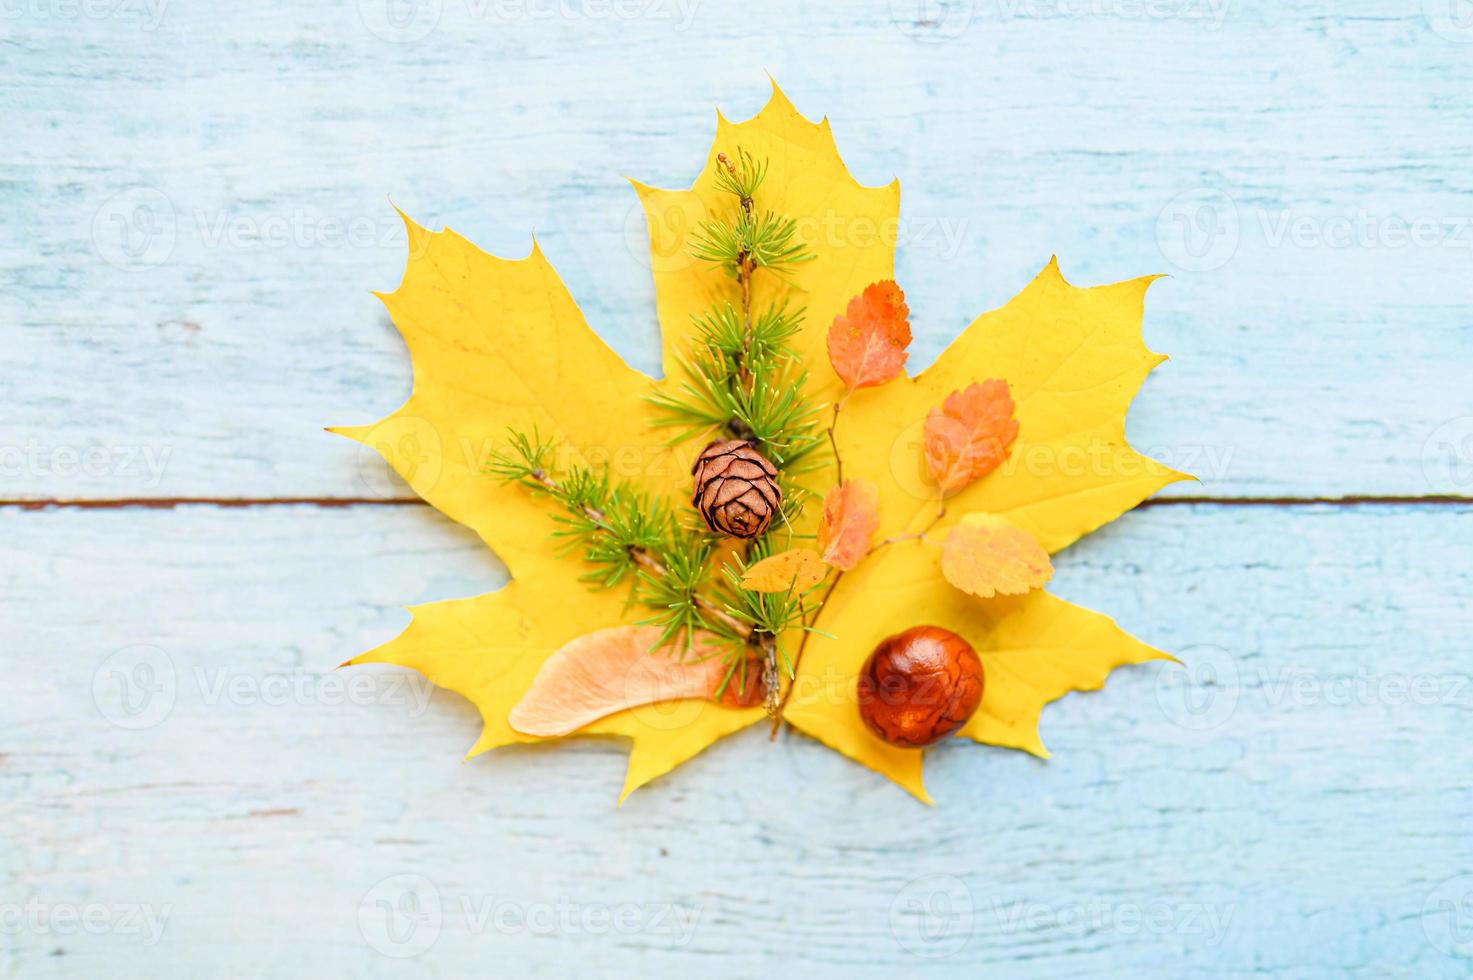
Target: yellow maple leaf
x,y
500,344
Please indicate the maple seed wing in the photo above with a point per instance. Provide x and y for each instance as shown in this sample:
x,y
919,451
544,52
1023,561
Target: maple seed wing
x,y
609,670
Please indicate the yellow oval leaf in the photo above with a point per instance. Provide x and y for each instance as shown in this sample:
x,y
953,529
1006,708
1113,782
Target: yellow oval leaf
x,y
985,555
799,569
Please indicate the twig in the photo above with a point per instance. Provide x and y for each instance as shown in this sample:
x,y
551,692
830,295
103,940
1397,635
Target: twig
x,y
770,683
919,535
745,269
748,382
834,442
797,658
643,558
803,643
777,718
833,582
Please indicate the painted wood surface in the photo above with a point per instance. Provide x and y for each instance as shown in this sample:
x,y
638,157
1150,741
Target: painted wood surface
x,y
1288,807
197,210
195,201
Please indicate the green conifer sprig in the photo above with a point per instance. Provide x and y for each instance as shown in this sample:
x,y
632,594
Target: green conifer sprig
x,y
721,333
524,459
769,614
675,597
773,412
741,179
742,379
625,535
755,239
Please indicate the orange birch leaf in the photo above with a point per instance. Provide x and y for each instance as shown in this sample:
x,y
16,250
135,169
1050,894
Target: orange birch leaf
x,y
970,434
612,669
867,342
986,555
851,515
799,569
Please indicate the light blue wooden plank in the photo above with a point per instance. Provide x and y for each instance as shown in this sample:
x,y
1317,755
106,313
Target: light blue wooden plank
x,y
1289,807
1322,818
266,141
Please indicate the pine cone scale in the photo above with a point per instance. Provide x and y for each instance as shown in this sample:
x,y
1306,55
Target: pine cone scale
x,y
728,490
736,489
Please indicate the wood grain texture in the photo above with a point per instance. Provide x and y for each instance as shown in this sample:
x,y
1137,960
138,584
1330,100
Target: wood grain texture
x,y
196,211
1291,819
195,201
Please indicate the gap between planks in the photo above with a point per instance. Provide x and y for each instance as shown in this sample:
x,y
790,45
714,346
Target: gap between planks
x,y
169,503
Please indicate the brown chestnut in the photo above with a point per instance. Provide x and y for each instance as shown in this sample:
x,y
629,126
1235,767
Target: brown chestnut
x,y
920,686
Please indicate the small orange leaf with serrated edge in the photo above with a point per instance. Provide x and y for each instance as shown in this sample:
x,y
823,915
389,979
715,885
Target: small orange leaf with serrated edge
x,y
987,555
867,342
799,570
970,434
851,514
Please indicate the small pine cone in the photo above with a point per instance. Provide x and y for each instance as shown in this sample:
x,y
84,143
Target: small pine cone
x,y
736,489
